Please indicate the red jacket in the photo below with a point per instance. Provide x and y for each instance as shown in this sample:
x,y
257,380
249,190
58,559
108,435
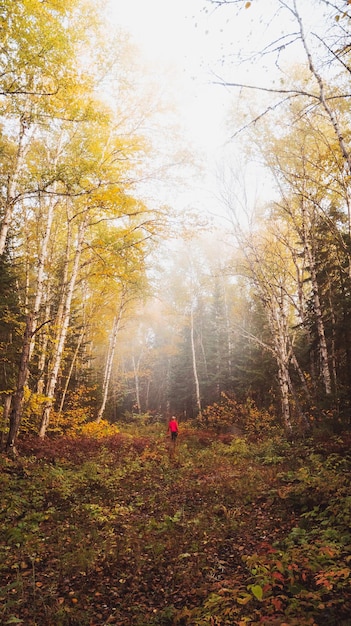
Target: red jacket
x,y
173,426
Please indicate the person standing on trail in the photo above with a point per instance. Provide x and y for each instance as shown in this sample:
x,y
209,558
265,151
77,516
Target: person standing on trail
x,y
173,429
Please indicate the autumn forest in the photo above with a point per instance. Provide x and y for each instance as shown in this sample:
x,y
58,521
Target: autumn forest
x,y
118,310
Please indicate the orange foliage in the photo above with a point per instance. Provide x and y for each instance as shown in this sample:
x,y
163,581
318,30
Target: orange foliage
x,y
229,413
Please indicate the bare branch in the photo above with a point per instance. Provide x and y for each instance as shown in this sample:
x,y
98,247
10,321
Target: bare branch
x,y
291,92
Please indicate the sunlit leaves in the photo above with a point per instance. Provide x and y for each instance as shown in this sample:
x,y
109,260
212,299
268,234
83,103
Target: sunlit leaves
x,y
37,46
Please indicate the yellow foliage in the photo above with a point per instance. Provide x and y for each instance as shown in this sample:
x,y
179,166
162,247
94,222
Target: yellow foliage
x,y
33,404
99,429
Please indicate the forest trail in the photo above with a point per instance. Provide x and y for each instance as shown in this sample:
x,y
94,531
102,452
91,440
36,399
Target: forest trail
x,y
114,532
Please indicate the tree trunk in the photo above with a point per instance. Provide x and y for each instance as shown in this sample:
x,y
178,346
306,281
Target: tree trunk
x,y
284,384
71,369
109,360
193,352
11,190
323,350
43,347
17,401
62,329
41,271
5,417
136,369
281,340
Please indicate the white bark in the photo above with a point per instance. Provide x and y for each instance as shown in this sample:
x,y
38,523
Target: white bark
x,y
43,250
11,191
284,384
275,307
44,340
323,350
325,104
136,370
64,393
109,360
193,352
62,328
41,271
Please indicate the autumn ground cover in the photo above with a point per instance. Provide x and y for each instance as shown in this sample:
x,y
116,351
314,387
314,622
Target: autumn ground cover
x,y
114,531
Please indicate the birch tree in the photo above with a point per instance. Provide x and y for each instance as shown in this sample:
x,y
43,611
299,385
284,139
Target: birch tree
x,y
307,169
195,358
268,267
110,356
122,262
62,323
37,64
73,161
13,191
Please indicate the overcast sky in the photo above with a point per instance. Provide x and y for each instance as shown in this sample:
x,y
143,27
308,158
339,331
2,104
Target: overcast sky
x,y
174,33
194,38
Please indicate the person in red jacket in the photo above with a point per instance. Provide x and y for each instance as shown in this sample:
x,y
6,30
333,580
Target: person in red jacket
x,y
173,429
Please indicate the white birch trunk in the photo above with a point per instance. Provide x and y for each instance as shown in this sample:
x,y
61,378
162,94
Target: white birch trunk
x,y
43,253
71,370
41,271
11,190
136,369
43,347
284,384
193,352
109,360
344,148
280,333
62,332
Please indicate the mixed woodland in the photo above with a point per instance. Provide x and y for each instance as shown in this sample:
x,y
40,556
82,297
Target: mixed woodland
x,y
113,305
118,310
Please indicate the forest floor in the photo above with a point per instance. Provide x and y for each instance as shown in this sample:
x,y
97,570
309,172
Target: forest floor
x,y
114,531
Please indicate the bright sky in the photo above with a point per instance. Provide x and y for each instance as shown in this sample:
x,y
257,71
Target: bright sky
x,y
172,33
163,27
191,36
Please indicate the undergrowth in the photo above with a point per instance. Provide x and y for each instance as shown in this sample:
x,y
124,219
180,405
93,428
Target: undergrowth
x,y
112,530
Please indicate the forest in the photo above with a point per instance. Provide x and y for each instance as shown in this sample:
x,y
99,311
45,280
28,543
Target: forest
x,y
119,309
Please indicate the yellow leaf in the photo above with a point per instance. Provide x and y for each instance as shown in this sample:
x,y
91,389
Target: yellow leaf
x,y
244,598
257,591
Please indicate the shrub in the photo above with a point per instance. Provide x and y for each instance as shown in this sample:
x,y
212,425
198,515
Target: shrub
x,y
99,429
229,414
222,415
